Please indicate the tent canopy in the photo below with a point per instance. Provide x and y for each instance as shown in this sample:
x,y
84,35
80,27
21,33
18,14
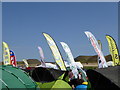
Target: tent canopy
x,y
41,74
13,77
56,84
104,77
48,78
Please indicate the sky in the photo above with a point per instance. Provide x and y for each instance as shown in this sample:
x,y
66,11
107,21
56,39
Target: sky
x,y
24,22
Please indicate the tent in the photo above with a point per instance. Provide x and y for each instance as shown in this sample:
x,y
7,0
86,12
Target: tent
x,y
104,77
15,78
48,78
42,74
49,65
57,84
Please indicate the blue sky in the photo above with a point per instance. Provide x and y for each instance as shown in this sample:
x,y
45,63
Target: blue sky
x,y
24,22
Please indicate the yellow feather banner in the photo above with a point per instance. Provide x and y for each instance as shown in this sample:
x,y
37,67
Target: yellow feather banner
x,y
56,54
6,54
113,50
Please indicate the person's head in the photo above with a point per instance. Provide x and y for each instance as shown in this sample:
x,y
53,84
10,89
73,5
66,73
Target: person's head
x,y
80,73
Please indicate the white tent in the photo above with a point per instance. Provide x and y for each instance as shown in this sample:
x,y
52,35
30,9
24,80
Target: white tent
x,y
49,65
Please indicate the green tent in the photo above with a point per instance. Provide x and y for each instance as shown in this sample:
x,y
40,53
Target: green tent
x,y
49,79
57,84
15,78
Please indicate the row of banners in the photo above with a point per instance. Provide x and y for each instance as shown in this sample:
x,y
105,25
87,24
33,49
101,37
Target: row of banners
x,y
10,59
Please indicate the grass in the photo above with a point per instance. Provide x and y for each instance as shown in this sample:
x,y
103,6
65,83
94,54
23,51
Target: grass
x,y
89,67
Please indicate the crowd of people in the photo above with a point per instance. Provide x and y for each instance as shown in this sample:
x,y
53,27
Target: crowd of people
x,y
81,82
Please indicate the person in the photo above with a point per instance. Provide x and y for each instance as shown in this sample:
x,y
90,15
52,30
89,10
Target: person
x,y
80,75
75,82
82,86
71,75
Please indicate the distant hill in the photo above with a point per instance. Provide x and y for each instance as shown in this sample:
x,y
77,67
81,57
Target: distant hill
x,y
91,59
31,62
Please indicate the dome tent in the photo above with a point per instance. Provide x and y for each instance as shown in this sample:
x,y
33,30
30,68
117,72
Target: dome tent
x,y
41,74
49,78
104,77
57,84
15,78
